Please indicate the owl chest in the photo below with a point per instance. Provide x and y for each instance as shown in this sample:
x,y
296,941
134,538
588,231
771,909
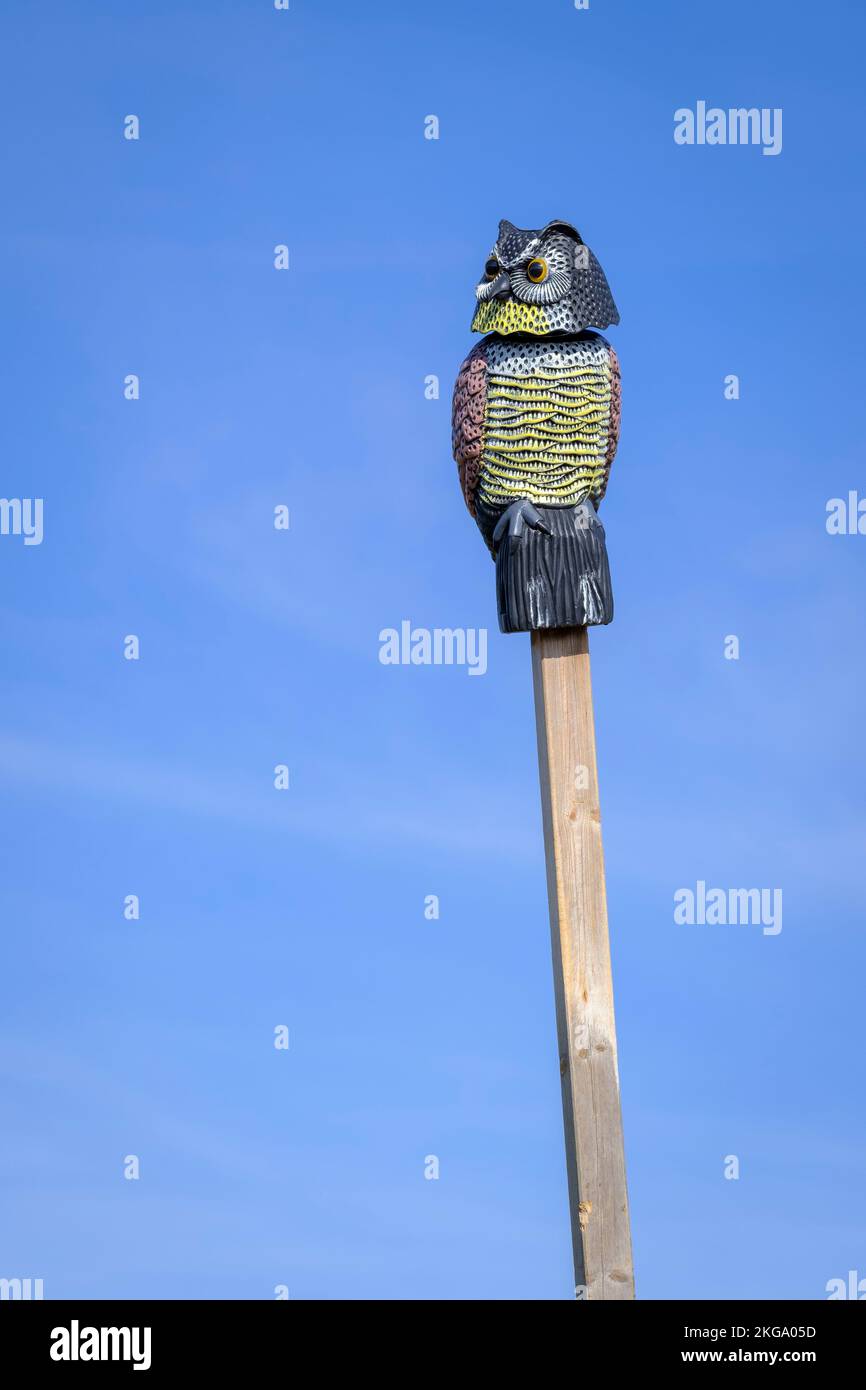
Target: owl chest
x,y
545,426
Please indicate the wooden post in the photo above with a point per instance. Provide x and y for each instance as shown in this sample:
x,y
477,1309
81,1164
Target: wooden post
x,y
583,985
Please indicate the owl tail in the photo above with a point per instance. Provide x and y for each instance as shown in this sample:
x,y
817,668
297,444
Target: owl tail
x,y
552,568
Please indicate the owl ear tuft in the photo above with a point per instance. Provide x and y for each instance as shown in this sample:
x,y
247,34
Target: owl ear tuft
x,y
558,225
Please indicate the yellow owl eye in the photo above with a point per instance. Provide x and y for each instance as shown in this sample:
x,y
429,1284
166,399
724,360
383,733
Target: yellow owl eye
x,y
491,269
536,271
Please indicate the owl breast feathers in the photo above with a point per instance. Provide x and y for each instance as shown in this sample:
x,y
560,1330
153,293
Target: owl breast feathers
x,y
535,420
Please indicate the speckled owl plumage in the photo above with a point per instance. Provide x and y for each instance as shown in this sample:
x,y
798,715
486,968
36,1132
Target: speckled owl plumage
x,y
535,426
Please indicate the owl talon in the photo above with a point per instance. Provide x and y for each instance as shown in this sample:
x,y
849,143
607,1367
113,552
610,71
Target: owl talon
x,y
514,521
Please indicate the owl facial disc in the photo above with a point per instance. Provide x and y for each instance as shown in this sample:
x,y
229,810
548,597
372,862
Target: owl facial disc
x,y
542,283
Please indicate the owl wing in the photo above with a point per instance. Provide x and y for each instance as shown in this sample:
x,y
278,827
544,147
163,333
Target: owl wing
x,y
615,410
467,420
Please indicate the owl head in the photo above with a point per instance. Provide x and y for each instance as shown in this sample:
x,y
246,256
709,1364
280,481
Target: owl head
x,y
542,283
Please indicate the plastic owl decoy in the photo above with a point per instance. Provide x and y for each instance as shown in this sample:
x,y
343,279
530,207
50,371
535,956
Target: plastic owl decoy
x,y
535,426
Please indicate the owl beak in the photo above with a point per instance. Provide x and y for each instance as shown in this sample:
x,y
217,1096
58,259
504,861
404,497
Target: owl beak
x,y
501,287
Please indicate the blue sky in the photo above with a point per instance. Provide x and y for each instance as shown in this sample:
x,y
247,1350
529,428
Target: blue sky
x,y
412,1037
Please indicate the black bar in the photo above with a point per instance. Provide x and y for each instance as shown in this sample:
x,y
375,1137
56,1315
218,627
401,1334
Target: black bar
x,y
220,1338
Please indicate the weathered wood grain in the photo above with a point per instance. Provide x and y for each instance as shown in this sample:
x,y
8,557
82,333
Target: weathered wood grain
x,y
583,986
